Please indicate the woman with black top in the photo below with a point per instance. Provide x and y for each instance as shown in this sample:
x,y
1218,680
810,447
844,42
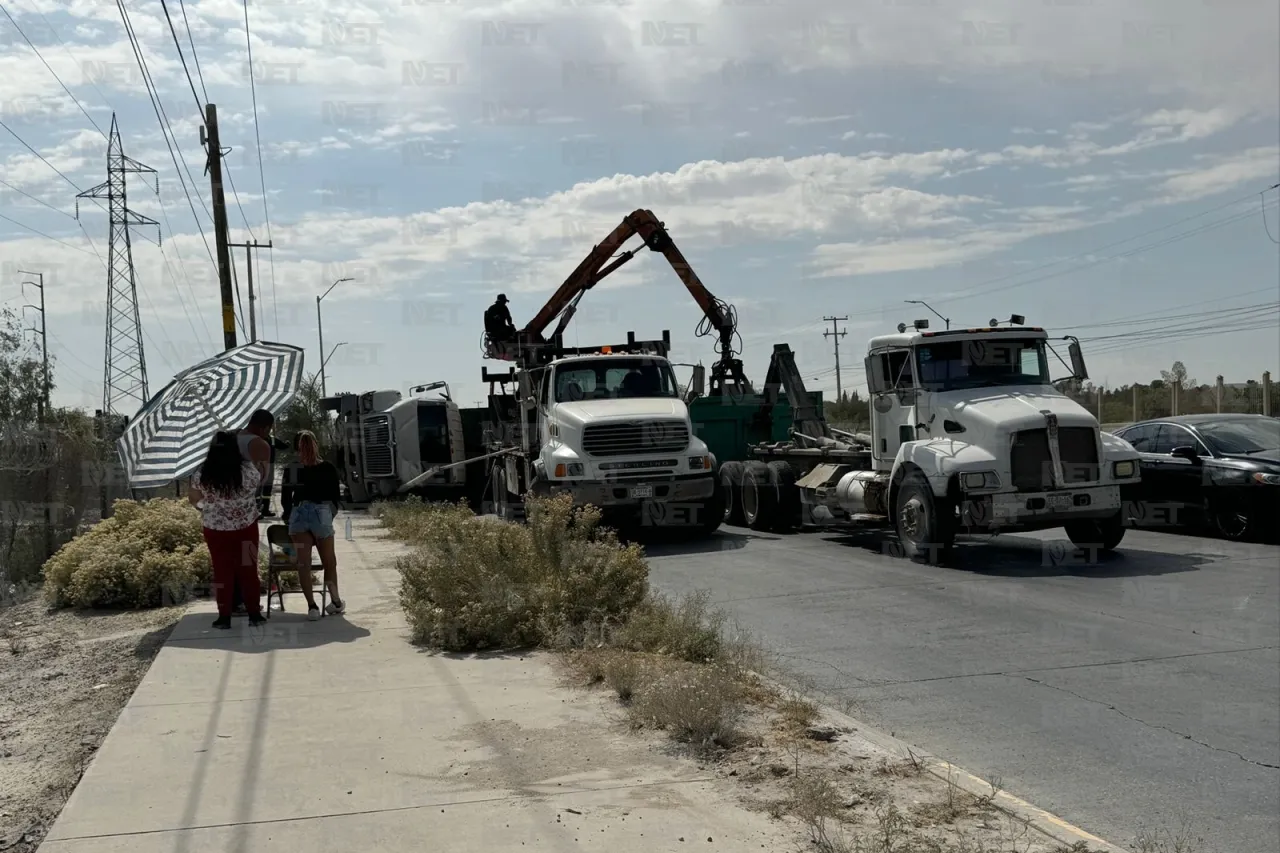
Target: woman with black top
x,y
310,495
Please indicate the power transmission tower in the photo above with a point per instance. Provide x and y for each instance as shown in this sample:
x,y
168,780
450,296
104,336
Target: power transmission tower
x,y
248,259
836,333
124,370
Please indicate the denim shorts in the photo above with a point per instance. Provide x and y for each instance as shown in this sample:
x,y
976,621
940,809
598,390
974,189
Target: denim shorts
x,y
316,519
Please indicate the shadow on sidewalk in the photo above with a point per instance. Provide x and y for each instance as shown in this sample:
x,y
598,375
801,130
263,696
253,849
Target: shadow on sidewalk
x,y
282,631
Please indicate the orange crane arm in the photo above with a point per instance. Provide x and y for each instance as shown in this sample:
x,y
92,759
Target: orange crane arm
x,y
604,259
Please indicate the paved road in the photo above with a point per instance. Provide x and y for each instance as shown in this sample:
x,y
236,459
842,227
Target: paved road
x,y
1141,690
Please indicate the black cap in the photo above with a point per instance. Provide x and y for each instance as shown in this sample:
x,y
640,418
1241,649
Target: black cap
x,y
502,297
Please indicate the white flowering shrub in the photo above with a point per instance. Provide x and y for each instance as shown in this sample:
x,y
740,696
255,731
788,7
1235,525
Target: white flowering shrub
x,y
475,583
147,554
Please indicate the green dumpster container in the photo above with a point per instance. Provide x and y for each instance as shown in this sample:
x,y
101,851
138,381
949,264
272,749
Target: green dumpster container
x,y
730,425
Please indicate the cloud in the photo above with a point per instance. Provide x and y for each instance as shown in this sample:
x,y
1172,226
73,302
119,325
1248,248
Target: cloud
x,y
1255,164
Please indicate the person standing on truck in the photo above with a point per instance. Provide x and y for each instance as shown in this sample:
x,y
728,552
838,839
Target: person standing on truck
x,y
497,321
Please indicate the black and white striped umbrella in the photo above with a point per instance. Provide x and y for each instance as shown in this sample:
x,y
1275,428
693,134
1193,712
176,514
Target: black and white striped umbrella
x,y
170,436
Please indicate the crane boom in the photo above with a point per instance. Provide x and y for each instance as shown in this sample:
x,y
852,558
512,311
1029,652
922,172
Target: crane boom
x,y
604,259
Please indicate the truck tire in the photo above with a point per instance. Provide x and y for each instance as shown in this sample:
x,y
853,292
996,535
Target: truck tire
x,y
788,511
759,496
1103,533
502,505
731,485
926,528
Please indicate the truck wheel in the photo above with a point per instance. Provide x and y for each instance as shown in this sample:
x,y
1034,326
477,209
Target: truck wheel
x,y
1104,533
731,485
759,497
501,497
926,530
787,515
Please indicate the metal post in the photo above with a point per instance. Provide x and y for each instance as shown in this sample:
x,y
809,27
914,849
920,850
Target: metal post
x,y
1218,394
1135,402
45,405
1266,393
324,392
1099,404
248,261
220,226
836,334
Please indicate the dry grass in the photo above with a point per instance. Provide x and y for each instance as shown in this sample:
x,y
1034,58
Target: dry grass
x,y
1181,840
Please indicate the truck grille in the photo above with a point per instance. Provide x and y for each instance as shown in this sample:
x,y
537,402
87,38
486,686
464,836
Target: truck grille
x,y
1030,464
377,448
1078,448
635,438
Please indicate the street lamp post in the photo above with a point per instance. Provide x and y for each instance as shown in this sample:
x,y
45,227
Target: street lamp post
x,y
320,331
930,307
332,351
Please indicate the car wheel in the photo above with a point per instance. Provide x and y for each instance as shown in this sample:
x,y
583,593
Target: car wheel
x,y
926,531
731,483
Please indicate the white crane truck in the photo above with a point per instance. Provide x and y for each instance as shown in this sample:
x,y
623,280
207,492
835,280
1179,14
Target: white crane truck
x,y
968,435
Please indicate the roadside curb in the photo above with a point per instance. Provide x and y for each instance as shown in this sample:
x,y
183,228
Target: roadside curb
x,y
1046,823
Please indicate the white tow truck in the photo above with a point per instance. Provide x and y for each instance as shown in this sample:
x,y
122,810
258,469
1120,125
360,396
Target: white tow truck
x,y
968,435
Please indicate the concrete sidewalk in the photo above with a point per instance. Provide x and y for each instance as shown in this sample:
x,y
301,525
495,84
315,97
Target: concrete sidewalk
x,y
340,735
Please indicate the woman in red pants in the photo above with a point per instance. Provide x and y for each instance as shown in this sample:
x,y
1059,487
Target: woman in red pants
x,y
225,490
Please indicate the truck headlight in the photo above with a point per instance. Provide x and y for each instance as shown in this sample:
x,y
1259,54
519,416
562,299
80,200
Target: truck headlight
x,y
1266,479
572,469
700,463
1124,468
976,481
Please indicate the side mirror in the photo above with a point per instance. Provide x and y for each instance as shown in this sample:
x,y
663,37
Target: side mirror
x,y
1078,369
698,383
1185,451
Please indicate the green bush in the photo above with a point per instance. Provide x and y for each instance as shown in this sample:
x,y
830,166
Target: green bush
x,y
146,554
476,583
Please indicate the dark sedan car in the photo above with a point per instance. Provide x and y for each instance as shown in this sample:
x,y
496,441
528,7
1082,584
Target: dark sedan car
x,y
1222,471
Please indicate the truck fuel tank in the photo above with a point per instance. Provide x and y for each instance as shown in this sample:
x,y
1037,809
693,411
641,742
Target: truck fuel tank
x,y
863,492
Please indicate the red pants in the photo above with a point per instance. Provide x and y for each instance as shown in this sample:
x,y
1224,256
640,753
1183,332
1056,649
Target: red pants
x,y
234,554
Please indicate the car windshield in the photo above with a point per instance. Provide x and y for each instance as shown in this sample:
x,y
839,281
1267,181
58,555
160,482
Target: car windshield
x,y
986,363
1240,435
614,378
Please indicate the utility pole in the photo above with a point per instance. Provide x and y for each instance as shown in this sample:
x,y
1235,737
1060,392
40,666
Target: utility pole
x,y
248,259
1135,402
836,334
1218,394
213,165
1266,393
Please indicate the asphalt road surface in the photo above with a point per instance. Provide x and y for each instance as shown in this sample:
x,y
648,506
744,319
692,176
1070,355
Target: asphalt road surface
x,y
1140,690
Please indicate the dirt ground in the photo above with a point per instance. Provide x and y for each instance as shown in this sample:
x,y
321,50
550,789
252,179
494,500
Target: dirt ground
x,y
66,676
841,792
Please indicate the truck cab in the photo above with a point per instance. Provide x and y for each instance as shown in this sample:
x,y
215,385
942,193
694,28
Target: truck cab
x,y
610,428
969,421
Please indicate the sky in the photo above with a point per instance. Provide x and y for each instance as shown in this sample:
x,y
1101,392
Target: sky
x,y
1104,168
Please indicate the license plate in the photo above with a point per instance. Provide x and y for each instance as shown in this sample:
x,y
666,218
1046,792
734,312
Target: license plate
x,y
1060,501
642,491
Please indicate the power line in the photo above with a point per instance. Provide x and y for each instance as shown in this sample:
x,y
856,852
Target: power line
x,y
176,43
51,71
257,133
33,198
15,135
44,235
194,58
1262,200
165,129
70,55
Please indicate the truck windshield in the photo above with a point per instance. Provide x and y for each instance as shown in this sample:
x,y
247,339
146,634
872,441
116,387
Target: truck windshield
x,y
614,378
433,434
986,363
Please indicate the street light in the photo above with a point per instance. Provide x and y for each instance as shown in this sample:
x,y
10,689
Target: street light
x,y
320,332
332,351
930,307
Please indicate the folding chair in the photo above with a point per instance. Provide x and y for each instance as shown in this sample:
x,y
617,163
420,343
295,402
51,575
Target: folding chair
x,y
283,559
